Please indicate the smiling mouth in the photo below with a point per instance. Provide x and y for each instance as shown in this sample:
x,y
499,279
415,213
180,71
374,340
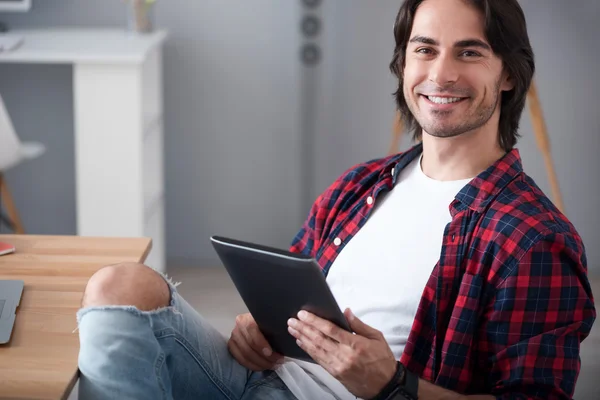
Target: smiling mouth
x,y
444,100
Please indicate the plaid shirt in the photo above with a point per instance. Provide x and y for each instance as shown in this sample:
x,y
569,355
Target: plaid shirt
x,y
508,303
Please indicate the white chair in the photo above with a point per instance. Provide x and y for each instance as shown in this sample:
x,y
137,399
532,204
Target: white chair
x,y
12,153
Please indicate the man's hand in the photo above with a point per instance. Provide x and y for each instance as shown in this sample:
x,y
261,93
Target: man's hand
x,y
362,362
249,347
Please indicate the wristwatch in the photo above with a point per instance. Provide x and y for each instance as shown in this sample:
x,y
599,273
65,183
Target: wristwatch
x,y
404,385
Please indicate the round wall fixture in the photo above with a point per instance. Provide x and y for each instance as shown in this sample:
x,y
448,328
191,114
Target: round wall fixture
x,y
311,25
311,3
311,54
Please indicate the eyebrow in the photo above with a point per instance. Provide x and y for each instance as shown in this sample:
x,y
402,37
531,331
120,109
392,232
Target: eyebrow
x,y
460,44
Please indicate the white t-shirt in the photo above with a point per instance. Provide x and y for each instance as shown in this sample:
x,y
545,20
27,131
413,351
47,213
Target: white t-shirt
x,y
382,272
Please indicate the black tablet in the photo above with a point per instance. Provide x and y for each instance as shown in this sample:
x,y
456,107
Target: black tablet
x,y
275,285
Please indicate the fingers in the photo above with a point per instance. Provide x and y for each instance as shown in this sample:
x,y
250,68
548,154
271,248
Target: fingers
x,y
257,341
247,356
311,336
360,327
240,356
249,346
328,328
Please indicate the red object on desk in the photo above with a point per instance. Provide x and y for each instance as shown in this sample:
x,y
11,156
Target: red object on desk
x,y
6,248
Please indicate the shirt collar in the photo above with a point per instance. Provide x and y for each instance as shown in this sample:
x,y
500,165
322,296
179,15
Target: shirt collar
x,y
478,193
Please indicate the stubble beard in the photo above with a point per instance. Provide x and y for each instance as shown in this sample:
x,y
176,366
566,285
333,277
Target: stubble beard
x,y
437,126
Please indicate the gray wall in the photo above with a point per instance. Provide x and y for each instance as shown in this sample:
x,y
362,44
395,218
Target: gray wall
x,y
233,96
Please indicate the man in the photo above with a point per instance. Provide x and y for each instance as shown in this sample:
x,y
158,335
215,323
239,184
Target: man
x,y
459,276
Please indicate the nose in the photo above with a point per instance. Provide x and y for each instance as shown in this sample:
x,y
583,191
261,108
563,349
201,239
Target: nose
x,y
443,70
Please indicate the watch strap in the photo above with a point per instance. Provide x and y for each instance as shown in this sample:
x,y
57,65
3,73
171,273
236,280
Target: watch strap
x,y
390,388
405,389
410,388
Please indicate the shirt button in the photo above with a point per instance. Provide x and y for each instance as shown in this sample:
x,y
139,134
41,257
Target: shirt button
x,y
337,241
370,200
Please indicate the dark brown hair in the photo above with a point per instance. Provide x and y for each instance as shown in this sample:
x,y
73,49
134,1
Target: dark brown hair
x,y
506,32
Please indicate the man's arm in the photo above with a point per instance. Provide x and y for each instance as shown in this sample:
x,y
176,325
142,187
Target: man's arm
x,y
429,391
535,324
536,321
304,241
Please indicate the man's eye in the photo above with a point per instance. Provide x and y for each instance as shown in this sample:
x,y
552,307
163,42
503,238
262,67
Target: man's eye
x,y
470,53
424,50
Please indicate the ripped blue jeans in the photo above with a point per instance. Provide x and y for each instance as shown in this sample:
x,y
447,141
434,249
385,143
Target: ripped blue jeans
x,y
170,353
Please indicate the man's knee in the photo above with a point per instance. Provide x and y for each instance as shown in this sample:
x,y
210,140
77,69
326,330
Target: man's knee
x,y
131,284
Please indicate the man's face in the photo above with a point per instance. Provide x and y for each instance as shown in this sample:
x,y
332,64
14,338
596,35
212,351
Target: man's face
x,y
452,79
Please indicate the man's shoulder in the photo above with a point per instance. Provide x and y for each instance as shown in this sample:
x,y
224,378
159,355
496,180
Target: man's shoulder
x,y
524,200
358,173
340,197
362,176
522,215
365,175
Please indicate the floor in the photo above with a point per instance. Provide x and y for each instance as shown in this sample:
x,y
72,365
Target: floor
x,y
212,293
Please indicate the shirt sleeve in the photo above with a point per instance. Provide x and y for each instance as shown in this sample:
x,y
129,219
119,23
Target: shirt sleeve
x,y
535,324
306,240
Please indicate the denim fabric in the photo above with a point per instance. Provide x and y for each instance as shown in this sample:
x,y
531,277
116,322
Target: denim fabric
x,y
169,353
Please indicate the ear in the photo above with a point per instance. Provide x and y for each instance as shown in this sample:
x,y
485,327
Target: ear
x,y
507,82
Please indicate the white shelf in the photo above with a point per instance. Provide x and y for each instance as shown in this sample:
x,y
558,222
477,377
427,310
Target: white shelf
x,y
71,46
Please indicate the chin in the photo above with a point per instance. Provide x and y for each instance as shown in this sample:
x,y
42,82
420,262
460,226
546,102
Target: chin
x,y
444,133
444,130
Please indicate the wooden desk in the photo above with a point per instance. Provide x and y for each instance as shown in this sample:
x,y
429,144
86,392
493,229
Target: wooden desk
x,y
40,362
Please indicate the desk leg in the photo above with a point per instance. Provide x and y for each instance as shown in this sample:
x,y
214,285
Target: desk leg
x,y
74,395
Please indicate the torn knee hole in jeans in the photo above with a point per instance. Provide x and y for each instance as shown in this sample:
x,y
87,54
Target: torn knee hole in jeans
x,y
133,309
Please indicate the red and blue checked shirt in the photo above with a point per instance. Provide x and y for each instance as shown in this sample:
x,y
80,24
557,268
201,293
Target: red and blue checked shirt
x,y
508,303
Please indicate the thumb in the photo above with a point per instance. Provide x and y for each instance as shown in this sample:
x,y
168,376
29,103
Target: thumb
x,y
360,327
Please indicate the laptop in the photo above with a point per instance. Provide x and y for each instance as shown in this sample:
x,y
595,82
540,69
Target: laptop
x,y
10,297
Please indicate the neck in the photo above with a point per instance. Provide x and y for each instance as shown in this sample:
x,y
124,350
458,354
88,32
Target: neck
x,y
461,157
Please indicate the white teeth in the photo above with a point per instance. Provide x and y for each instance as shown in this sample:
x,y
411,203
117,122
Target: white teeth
x,y
443,100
